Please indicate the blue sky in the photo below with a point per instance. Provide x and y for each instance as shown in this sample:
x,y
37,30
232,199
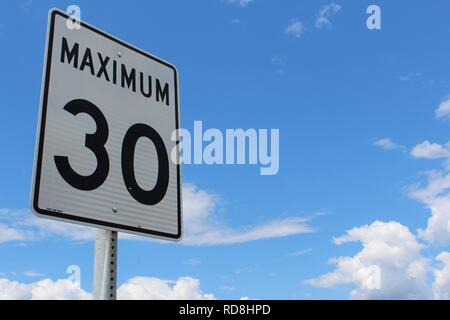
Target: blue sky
x,y
334,92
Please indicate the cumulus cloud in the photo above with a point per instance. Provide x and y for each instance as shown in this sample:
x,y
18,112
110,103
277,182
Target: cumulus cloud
x,y
443,109
46,289
441,285
435,195
387,144
389,266
201,225
295,28
144,288
428,150
8,234
137,288
325,14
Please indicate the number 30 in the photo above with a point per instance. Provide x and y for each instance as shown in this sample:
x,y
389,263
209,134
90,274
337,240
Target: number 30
x,y
96,143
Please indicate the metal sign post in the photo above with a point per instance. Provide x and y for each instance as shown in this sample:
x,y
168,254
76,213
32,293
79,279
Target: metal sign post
x,y
105,265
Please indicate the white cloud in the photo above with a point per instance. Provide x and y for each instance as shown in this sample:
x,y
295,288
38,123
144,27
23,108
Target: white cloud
x,y
247,269
441,285
428,150
31,273
295,28
279,60
273,229
46,289
409,76
325,14
389,266
227,288
53,228
436,196
24,226
201,225
388,144
138,288
8,234
145,288
435,193
300,252
193,261
240,3
443,109
391,257
279,64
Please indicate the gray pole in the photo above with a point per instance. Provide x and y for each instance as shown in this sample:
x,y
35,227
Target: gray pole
x,y
105,264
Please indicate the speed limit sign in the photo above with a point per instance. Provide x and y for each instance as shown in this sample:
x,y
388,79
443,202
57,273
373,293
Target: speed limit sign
x,y
106,135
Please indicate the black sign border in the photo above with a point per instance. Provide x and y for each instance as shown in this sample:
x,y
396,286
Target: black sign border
x,y
37,178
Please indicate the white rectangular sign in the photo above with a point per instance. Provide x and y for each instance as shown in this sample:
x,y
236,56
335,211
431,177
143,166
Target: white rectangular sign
x,y
103,151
